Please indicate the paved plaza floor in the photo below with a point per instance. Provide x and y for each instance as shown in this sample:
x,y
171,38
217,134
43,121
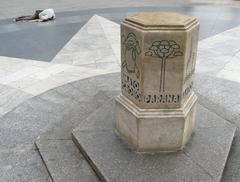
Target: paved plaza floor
x,y
54,74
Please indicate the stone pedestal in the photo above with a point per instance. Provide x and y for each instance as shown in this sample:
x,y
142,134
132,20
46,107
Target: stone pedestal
x,y
156,108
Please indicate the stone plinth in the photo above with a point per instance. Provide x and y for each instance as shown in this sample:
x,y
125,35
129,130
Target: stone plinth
x,y
203,159
156,108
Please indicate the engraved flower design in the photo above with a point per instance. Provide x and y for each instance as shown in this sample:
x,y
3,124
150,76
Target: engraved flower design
x,y
164,49
130,43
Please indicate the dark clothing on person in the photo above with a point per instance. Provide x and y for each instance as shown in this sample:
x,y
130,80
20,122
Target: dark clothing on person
x,y
29,17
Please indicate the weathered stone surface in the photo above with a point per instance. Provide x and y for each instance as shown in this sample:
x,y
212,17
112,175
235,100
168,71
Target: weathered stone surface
x,y
157,66
154,130
157,106
163,19
203,159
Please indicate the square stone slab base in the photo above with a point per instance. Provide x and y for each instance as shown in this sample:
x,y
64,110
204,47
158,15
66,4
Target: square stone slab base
x,y
155,130
203,158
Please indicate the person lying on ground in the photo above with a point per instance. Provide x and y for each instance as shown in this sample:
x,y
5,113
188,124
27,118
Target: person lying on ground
x,y
39,16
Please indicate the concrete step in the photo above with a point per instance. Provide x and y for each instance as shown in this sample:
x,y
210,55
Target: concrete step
x,y
203,159
61,157
64,162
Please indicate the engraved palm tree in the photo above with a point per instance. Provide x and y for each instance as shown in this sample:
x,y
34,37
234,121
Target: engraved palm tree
x,y
164,50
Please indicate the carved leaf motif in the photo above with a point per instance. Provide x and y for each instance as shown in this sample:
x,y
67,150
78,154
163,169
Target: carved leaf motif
x,y
149,53
164,49
175,46
178,53
154,48
156,43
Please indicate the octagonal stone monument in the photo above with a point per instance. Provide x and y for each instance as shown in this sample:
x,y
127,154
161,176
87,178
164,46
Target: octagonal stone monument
x,y
155,110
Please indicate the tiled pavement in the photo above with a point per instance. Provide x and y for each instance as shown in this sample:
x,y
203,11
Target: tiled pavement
x,y
11,8
29,40
21,79
94,50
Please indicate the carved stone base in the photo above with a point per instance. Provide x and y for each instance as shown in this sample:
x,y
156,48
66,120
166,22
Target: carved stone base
x,y
155,130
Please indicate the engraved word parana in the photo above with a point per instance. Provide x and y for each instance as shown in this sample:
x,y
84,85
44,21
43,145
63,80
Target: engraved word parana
x,y
161,98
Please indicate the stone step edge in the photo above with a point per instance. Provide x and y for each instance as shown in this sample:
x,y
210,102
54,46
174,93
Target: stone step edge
x,y
41,136
44,163
55,172
229,150
84,153
87,158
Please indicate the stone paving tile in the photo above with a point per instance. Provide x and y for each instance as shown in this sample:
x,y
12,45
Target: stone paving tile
x,y
76,113
169,167
26,45
106,82
10,98
221,95
231,69
22,165
22,125
79,73
38,78
221,48
112,33
19,74
59,79
64,162
89,47
213,148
